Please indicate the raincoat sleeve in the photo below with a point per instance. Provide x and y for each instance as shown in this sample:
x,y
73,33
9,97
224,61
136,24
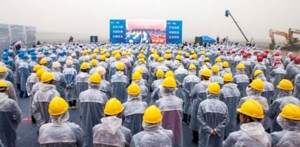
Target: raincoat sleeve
x,y
274,110
79,136
16,113
11,92
231,140
28,86
204,127
222,125
35,111
194,92
63,81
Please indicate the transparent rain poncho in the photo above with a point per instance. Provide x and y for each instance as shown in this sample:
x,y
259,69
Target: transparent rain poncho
x,y
119,84
242,80
82,82
11,92
60,83
268,88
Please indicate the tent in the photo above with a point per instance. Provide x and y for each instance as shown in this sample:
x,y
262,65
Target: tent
x,y
207,39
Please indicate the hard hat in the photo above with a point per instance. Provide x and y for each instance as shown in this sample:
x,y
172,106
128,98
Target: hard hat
x,y
69,62
133,89
113,107
192,67
291,111
89,51
86,58
56,65
69,58
140,56
84,66
101,70
160,59
95,78
3,69
257,72
94,55
3,84
107,55
240,66
193,51
179,52
170,74
167,51
139,70
142,60
120,66
43,61
102,58
159,73
102,52
156,56
168,56
117,56
205,72
152,115
194,56
187,55
202,52
58,106
218,59
169,82
136,76
96,50
285,84
225,64
259,58
46,77
206,59
227,77
39,73
252,108
257,84
94,62
215,69
73,54
37,67
214,88
178,57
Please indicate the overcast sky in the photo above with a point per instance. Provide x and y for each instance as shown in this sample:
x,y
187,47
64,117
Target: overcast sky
x,y
199,17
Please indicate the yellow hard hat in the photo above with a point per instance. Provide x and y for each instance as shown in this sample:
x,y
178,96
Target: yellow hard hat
x,y
227,77
95,78
170,74
156,57
84,65
96,50
140,56
159,73
43,61
37,67
94,56
133,89
285,84
206,59
89,51
142,60
225,64
39,73
214,88
291,111
84,52
257,72
3,83
160,59
102,52
187,55
194,56
240,66
179,52
252,108
206,72
46,77
202,52
152,115
107,55
113,52
169,82
136,76
168,56
215,69
113,107
3,69
117,56
140,70
120,66
102,58
218,59
94,62
69,62
193,51
57,106
257,84
192,67
124,53
178,57
167,51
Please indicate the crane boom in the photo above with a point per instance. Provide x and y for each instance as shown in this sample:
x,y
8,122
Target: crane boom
x,y
227,13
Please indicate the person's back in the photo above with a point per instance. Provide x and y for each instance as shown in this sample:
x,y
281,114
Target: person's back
x,y
82,82
60,83
119,84
242,80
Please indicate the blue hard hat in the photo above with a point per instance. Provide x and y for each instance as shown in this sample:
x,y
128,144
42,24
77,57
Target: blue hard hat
x,y
25,57
46,53
33,57
10,53
9,62
5,49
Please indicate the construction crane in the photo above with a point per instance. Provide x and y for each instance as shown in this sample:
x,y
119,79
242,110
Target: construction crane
x,y
291,42
273,32
294,41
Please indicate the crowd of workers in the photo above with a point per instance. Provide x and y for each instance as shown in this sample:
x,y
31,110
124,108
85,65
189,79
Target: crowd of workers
x,y
141,95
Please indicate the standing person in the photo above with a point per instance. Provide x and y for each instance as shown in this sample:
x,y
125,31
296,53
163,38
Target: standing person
x,y
92,103
60,132
137,79
213,118
70,75
31,80
153,135
159,78
24,74
105,85
241,79
43,62
289,120
215,76
252,132
11,92
226,68
110,131
82,79
119,82
277,74
268,87
59,79
171,107
134,109
231,96
10,115
42,97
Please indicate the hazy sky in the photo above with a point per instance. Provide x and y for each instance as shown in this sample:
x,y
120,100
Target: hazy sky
x,y
199,17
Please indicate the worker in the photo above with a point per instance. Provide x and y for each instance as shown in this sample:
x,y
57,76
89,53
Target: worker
x,y
60,132
213,118
252,132
277,74
92,103
134,109
110,131
289,120
215,76
32,63
112,70
10,114
295,70
70,75
75,62
24,74
268,87
11,92
226,68
218,62
119,83
42,98
43,62
159,78
105,85
59,79
241,79
231,96
82,79
32,79
247,64
171,107
94,65
197,95
260,66
180,73
285,88
136,78
162,65
153,135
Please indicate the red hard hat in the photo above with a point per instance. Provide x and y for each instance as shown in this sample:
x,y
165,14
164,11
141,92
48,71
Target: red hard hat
x,y
233,52
293,58
277,62
245,56
242,51
265,55
249,54
255,52
228,52
259,58
267,51
277,54
297,60
221,51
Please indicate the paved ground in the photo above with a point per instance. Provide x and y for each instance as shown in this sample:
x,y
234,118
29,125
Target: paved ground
x,y
27,132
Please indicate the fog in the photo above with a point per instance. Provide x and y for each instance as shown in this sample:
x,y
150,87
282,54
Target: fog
x,y
58,19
